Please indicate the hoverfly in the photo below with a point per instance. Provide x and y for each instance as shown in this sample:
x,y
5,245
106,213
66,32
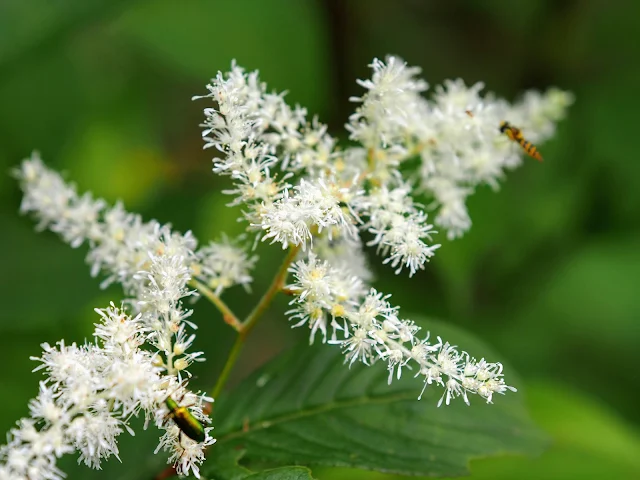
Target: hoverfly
x,y
516,135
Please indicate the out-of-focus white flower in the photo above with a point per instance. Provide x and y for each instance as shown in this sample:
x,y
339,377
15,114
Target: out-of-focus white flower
x,y
121,244
57,203
345,253
225,264
455,134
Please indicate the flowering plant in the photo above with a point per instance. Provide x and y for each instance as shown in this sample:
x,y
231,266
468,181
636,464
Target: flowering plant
x,y
322,203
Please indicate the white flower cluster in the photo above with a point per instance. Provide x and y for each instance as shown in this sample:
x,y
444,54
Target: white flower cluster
x,y
223,264
371,330
399,227
154,266
90,394
327,201
455,135
121,244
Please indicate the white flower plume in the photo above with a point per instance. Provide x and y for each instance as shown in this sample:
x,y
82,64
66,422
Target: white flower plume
x,y
90,393
455,136
121,244
368,329
154,265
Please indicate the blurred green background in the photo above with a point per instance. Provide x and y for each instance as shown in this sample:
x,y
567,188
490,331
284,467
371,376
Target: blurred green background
x,y
548,275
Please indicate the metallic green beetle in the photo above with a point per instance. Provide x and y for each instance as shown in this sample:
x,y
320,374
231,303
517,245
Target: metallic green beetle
x,y
186,422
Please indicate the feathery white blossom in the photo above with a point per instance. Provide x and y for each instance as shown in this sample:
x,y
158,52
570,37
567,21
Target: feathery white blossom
x,y
455,134
224,264
90,393
399,227
154,265
371,330
313,207
121,244
322,294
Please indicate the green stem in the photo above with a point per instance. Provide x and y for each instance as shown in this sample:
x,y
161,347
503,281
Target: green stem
x,y
245,327
227,315
228,366
276,285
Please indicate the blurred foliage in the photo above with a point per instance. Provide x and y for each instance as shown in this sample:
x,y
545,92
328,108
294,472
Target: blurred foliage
x,y
547,274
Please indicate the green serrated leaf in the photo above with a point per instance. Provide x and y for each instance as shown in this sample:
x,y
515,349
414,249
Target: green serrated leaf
x,y
308,408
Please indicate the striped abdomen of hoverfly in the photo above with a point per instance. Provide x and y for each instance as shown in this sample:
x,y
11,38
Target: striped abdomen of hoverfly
x,y
516,135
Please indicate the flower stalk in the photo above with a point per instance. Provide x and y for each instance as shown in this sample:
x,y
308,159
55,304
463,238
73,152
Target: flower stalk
x,y
247,325
227,314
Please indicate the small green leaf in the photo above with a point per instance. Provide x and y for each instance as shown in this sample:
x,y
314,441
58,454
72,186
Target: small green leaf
x,y
308,408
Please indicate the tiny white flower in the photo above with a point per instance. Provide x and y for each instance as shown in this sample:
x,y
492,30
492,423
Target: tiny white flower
x,y
224,264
